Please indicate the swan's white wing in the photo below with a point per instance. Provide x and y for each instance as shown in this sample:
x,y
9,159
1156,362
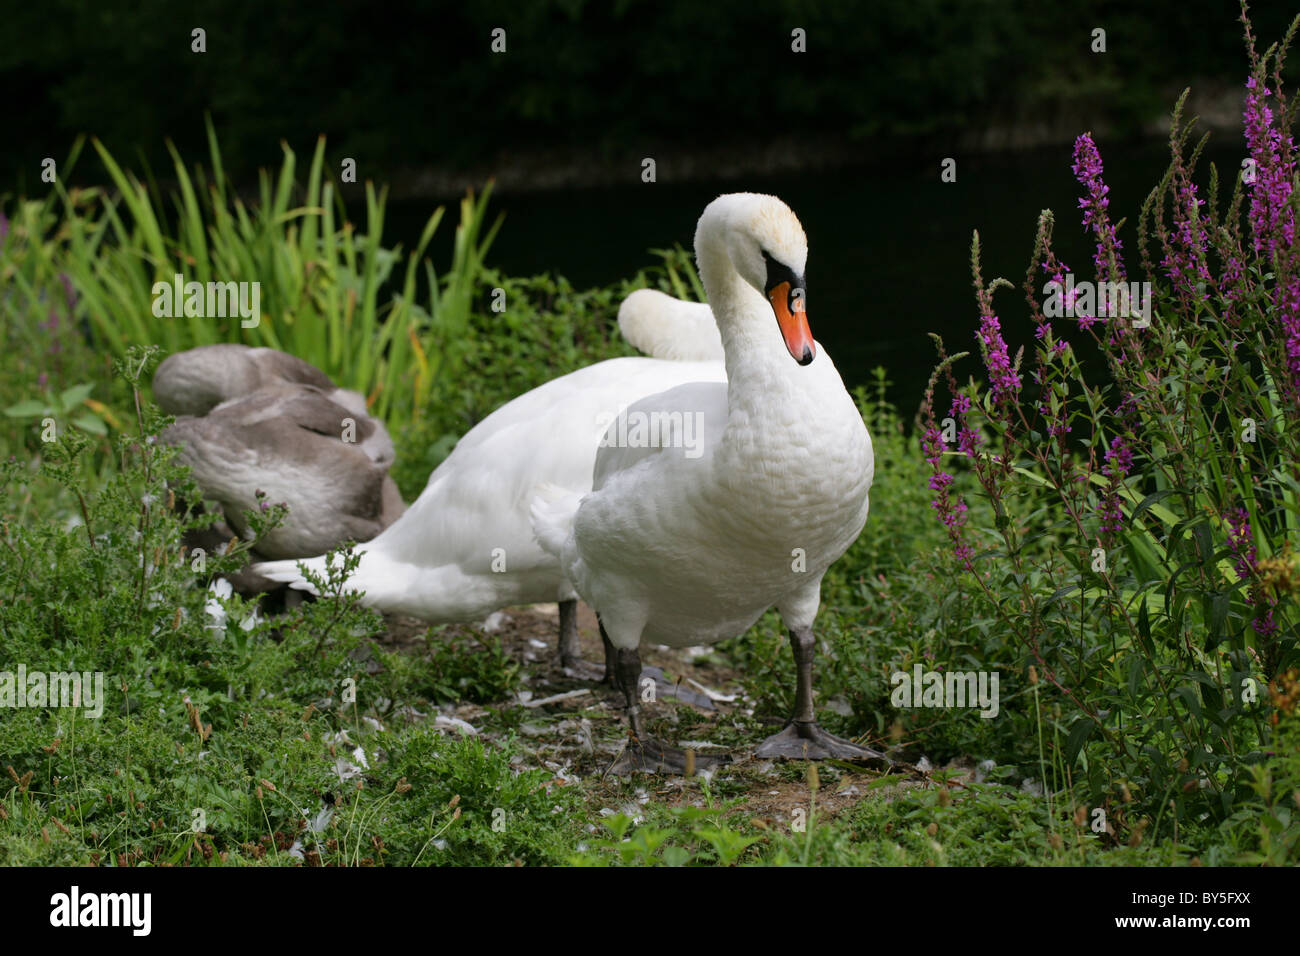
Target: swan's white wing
x,y
684,421
643,481
668,328
466,546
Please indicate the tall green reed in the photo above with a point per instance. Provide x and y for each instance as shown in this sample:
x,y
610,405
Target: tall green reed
x,y
379,320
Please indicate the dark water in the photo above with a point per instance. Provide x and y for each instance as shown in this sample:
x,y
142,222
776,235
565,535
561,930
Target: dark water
x,y
889,246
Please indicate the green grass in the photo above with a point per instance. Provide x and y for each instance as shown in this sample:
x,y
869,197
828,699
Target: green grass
x,y
237,745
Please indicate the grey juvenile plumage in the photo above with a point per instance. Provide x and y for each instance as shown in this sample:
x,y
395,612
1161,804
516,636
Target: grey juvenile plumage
x,y
257,419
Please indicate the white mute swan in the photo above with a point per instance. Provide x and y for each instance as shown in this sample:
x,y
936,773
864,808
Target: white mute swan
x,y
465,547
680,547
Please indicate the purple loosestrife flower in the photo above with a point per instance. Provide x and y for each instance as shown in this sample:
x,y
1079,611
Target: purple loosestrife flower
x,y
1185,253
1088,321
1058,271
1112,518
1119,459
1056,426
1272,221
933,446
968,440
951,513
1088,171
4,227
1241,543
1287,297
1119,462
1127,408
1004,380
1230,285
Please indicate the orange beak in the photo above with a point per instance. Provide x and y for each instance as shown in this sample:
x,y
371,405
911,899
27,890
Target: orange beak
x,y
792,319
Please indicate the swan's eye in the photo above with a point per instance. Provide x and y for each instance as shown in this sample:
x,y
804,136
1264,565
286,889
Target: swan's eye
x,y
778,272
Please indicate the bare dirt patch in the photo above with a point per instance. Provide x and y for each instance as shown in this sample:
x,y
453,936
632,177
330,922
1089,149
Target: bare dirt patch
x,y
578,729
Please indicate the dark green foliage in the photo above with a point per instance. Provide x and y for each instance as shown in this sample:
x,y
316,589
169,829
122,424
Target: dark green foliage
x,y
419,84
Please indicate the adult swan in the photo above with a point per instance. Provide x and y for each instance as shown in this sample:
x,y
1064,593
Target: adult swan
x,y
684,545
466,548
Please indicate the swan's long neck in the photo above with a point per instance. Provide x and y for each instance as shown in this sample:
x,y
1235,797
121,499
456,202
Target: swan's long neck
x,y
761,375
793,463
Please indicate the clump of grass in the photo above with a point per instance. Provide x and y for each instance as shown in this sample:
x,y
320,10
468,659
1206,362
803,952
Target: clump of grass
x,y
225,736
376,319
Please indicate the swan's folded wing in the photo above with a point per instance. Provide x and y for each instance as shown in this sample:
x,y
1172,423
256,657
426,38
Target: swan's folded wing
x,y
667,328
686,422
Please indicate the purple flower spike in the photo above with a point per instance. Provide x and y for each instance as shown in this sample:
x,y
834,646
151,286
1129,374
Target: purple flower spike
x,y
1272,217
69,293
1004,380
1088,170
1241,542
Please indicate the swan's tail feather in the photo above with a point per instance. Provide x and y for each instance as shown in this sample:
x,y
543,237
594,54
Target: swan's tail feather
x,y
288,571
379,581
667,328
552,513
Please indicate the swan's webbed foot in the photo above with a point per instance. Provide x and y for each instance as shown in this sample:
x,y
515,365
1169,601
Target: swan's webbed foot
x,y
648,755
807,741
803,738
643,753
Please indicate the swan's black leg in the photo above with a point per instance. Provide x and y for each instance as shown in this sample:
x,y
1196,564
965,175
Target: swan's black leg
x,y
571,660
803,738
643,752
611,657
663,686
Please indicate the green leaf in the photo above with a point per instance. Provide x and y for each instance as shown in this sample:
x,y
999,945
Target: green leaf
x,y
75,395
89,423
1079,733
1059,594
1190,698
1134,675
1144,627
1204,543
1148,503
676,856
26,409
1219,605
